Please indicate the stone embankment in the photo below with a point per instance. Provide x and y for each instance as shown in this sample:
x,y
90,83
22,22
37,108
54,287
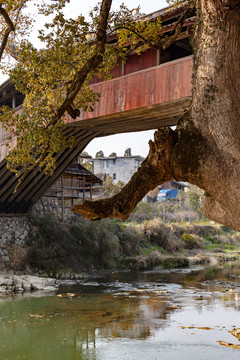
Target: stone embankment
x,y
13,233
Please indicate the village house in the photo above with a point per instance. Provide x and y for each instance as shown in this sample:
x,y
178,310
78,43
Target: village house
x,y
120,168
74,186
173,184
76,183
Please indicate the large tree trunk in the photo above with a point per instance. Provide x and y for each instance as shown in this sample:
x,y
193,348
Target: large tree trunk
x,y
213,160
206,149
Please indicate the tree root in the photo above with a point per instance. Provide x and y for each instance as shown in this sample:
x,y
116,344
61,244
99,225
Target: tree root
x,y
154,170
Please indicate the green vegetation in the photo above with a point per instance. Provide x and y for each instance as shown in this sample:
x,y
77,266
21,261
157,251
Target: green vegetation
x,y
169,234
78,245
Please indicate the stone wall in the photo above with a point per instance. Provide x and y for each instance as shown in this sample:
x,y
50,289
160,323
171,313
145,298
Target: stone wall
x,y
13,234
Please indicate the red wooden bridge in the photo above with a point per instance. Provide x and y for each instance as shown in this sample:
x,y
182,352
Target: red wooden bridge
x,y
143,100
142,95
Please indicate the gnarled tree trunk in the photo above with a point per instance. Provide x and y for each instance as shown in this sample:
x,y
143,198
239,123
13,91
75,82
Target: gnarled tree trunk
x,y
206,146
213,160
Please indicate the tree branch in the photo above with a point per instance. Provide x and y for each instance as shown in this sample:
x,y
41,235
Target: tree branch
x,y
154,170
91,64
73,112
144,40
164,44
177,29
9,29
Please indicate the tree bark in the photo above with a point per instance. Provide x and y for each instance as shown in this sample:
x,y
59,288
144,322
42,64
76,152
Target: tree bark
x,y
215,114
9,28
206,146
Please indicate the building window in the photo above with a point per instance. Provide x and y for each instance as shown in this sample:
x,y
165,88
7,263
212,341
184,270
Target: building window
x,y
114,176
114,161
105,164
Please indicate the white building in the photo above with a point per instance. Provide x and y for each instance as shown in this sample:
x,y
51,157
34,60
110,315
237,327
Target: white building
x,y
119,167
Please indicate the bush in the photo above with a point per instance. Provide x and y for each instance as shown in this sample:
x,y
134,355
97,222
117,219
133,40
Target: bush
x,y
161,235
81,244
191,241
130,239
174,262
18,257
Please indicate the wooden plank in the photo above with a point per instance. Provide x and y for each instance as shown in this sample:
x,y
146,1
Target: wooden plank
x,y
3,170
135,62
7,190
34,196
32,180
109,124
142,89
8,185
6,177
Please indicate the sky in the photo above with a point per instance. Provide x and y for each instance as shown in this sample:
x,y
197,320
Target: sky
x,y
138,142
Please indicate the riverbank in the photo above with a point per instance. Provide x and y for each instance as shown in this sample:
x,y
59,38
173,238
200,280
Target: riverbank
x,y
12,283
63,249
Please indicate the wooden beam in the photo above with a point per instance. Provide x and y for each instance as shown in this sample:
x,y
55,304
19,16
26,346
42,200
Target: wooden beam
x,y
139,119
28,183
33,183
7,190
35,197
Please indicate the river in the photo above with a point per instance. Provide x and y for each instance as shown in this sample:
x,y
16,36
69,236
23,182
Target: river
x,y
166,314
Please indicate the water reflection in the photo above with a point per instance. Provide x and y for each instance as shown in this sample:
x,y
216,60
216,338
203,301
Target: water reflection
x,y
146,315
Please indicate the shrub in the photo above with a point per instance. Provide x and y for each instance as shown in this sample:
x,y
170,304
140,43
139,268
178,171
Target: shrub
x,y
226,229
174,262
161,235
81,244
191,241
18,257
130,239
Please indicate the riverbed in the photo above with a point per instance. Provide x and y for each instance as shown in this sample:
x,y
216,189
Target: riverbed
x,y
163,314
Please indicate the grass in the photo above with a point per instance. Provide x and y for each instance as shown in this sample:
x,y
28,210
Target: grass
x,y
148,250
142,242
